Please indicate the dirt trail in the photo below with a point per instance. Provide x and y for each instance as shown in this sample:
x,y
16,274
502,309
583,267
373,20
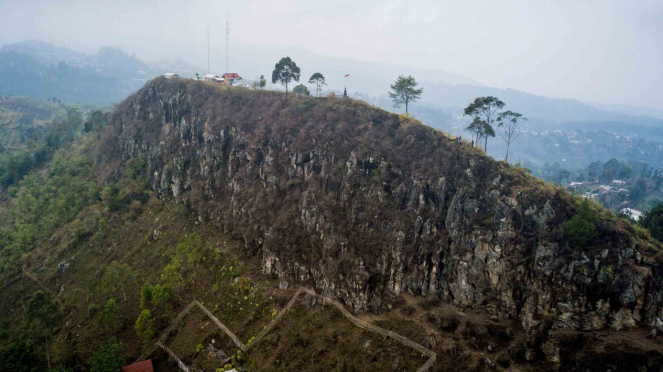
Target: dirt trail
x,y
432,356
42,286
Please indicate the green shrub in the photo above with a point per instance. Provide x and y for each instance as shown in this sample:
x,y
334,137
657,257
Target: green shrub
x,y
145,328
581,229
653,221
111,318
110,358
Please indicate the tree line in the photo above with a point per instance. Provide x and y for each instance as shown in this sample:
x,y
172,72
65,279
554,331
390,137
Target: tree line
x,y
486,112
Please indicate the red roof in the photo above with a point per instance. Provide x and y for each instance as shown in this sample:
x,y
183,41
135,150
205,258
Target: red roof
x,y
231,75
144,366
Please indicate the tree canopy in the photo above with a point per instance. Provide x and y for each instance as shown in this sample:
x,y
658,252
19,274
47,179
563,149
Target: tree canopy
x,y
285,71
116,277
582,228
484,112
404,90
653,221
509,123
109,358
301,89
319,82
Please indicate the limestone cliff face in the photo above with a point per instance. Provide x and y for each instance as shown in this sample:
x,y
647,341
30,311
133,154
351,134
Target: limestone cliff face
x,y
365,206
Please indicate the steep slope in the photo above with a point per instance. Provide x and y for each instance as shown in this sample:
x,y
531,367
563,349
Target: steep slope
x,y
23,120
366,205
472,258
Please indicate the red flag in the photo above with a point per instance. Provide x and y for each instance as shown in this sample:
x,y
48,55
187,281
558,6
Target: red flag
x,y
347,75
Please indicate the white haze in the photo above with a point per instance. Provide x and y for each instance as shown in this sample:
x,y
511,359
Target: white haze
x,y
603,51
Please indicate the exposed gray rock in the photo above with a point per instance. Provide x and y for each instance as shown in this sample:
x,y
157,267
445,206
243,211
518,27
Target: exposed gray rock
x,y
331,203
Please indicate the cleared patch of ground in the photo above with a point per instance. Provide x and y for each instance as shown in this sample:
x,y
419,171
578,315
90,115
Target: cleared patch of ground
x,y
320,338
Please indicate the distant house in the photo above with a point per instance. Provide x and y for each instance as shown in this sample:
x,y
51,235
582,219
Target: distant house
x,y
618,182
231,78
144,366
603,189
170,75
212,77
635,214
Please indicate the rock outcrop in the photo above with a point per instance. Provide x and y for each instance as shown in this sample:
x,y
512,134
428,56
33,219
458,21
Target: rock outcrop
x,y
365,205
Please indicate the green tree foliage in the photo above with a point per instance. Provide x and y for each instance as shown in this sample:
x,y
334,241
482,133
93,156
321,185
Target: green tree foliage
x,y
116,277
261,83
20,357
404,90
319,80
44,201
285,71
13,167
510,124
484,112
96,121
561,176
146,295
111,317
582,228
188,253
42,313
145,327
593,170
43,309
110,358
653,221
638,191
158,298
614,169
301,89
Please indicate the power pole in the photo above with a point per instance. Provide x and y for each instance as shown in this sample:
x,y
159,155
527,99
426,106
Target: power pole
x,y
227,35
207,50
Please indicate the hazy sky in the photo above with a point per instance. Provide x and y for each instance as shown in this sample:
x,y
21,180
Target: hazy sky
x,y
608,51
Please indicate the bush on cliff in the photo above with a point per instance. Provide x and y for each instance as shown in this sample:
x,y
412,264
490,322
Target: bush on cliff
x,y
581,229
653,221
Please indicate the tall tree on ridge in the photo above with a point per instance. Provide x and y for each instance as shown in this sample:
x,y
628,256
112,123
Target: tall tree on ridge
x,y
403,91
286,71
319,82
510,123
484,110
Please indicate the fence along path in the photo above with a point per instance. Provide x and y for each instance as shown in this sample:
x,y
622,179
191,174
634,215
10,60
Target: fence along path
x,y
178,319
180,363
381,331
277,318
432,356
356,321
222,326
42,286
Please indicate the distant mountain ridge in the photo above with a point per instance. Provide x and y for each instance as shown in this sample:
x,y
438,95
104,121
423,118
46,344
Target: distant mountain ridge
x,y
43,71
41,67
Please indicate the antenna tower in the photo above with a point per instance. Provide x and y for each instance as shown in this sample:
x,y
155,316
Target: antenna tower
x,y
227,35
208,50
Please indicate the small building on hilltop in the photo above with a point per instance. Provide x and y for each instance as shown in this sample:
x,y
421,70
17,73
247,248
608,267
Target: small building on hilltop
x,y
231,78
170,75
212,77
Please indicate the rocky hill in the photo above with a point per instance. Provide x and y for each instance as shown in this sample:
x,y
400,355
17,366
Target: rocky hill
x,y
366,205
232,198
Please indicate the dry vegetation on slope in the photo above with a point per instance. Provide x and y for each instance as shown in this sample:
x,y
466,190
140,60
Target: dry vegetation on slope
x,y
447,247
